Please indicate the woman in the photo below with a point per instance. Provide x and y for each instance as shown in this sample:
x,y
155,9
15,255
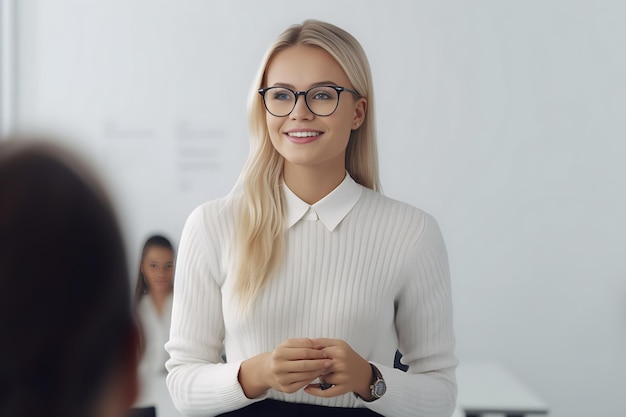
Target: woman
x,y
153,302
71,342
306,275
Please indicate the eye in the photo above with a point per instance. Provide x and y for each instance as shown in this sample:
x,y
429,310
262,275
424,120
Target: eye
x,y
280,94
169,266
154,266
323,94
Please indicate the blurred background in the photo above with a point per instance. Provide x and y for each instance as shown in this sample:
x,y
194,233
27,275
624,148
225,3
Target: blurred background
x,y
506,120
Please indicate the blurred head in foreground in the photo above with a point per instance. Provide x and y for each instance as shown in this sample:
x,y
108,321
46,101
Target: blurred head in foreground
x,y
70,340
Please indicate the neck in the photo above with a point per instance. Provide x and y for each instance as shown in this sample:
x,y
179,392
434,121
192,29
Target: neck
x,y
311,184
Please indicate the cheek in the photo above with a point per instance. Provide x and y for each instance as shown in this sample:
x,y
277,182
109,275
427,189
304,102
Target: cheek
x,y
273,124
273,128
347,118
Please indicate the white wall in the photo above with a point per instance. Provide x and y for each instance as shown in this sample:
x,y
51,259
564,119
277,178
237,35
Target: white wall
x,y
504,119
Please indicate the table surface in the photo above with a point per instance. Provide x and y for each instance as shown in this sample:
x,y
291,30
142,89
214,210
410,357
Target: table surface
x,y
486,387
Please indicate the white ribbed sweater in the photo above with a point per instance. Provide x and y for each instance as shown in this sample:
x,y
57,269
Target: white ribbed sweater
x,y
379,281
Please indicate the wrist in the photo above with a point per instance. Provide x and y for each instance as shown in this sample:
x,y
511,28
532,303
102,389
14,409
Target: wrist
x,y
251,377
376,388
363,389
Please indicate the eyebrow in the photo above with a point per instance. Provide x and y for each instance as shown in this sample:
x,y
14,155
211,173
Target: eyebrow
x,y
317,84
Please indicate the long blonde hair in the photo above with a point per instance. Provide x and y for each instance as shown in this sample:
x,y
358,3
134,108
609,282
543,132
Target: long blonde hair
x,y
259,238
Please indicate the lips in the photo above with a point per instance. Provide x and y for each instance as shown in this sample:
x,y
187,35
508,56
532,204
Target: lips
x,y
303,136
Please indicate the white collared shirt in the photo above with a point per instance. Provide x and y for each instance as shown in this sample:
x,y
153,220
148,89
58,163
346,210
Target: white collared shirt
x,y
330,210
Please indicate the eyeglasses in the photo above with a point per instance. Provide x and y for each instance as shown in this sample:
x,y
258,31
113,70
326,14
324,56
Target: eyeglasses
x,y
321,100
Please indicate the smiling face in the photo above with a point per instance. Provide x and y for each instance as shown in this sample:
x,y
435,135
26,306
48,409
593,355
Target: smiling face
x,y
158,269
303,138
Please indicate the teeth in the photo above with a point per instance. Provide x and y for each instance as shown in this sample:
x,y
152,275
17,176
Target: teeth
x,y
303,134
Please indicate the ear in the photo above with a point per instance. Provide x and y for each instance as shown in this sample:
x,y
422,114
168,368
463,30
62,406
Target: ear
x,y
360,110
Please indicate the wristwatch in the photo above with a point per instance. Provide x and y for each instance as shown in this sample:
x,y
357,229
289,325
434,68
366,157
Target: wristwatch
x,y
377,387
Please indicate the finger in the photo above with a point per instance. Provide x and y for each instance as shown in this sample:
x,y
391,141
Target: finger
x,y
296,349
317,366
303,342
339,355
296,378
294,381
293,354
326,342
292,386
283,354
326,381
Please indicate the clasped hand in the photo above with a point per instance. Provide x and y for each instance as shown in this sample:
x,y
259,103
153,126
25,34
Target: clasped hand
x,y
296,363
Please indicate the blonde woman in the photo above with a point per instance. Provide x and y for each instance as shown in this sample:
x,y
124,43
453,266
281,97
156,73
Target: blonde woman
x,y
306,278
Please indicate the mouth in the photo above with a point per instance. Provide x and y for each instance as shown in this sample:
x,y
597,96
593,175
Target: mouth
x,y
301,137
307,134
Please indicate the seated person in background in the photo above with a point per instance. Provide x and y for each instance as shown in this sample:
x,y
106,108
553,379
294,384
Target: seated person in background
x,y
153,302
70,339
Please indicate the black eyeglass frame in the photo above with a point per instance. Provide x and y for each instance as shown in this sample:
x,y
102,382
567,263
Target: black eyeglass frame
x,y
297,94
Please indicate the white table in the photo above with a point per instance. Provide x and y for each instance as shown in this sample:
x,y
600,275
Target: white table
x,y
154,393
486,387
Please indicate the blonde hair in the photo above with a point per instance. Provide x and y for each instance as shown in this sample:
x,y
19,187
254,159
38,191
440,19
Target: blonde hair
x,y
259,238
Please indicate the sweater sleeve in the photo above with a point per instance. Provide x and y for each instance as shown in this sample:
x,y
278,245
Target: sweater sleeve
x,y
199,382
426,336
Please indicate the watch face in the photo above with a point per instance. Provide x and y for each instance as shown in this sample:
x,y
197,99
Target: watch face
x,y
379,388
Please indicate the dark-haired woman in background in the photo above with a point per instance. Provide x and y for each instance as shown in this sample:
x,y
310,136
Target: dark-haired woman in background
x,y
153,302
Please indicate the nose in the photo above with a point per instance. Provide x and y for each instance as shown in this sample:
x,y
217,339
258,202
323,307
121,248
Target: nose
x,y
301,110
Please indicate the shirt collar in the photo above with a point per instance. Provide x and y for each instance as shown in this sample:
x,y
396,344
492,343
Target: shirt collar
x,y
330,210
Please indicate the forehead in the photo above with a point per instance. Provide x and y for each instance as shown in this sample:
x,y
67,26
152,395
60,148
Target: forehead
x,y
301,66
159,254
